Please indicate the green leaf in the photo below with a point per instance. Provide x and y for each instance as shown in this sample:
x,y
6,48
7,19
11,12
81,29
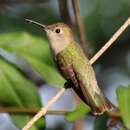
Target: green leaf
x,y
21,120
9,97
20,85
49,73
18,92
23,40
22,65
101,122
123,96
80,112
36,51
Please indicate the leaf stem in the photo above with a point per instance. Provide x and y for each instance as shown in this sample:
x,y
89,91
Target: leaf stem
x,y
30,110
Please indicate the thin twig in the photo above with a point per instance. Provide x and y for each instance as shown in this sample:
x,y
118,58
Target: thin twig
x,y
78,19
111,41
30,111
64,12
44,110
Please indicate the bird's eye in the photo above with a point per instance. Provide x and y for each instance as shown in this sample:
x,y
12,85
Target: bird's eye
x,y
57,30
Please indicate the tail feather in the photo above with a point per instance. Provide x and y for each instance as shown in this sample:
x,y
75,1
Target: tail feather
x,y
98,104
105,106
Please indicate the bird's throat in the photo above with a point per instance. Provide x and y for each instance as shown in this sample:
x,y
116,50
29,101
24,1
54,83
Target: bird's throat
x,y
58,45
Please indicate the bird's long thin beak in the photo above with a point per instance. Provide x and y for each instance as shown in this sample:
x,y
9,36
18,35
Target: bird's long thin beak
x,y
36,23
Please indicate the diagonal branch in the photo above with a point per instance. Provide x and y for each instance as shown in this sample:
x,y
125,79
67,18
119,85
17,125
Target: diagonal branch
x,y
44,110
111,41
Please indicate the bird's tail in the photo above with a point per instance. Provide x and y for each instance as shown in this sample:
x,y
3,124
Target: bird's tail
x,y
103,105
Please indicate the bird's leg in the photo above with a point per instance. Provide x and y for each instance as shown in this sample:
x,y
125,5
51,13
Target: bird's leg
x,y
111,41
68,84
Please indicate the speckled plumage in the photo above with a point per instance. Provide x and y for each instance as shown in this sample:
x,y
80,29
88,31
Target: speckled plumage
x,y
75,67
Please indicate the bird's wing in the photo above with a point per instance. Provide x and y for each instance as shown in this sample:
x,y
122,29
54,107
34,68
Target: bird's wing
x,y
72,78
68,73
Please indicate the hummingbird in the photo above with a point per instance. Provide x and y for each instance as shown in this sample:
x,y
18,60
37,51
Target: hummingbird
x,y
74,66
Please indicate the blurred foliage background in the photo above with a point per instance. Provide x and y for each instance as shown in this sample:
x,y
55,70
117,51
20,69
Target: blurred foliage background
x,y
26,62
